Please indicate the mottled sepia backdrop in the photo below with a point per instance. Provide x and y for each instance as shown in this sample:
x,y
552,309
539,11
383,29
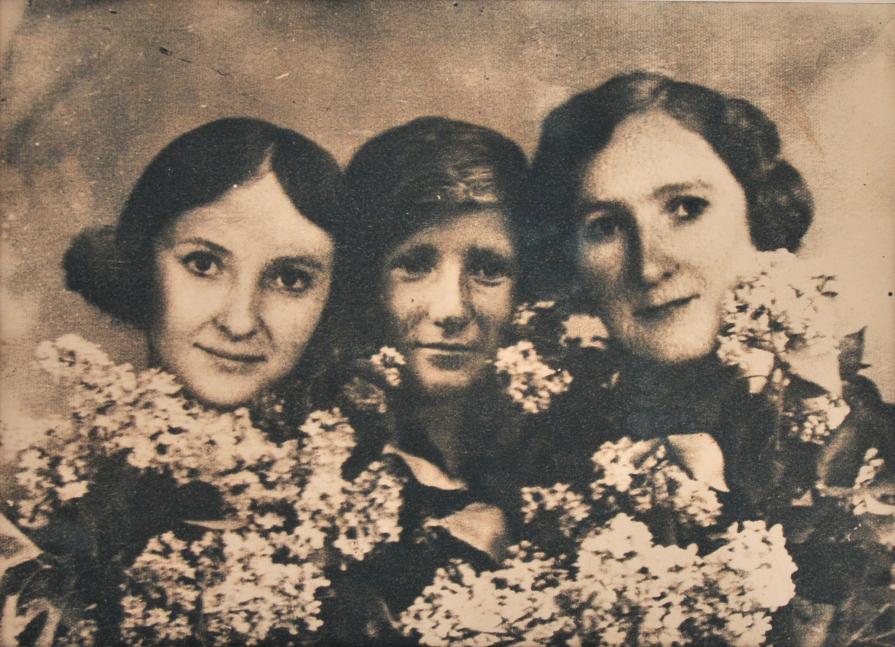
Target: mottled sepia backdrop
x,y
92,90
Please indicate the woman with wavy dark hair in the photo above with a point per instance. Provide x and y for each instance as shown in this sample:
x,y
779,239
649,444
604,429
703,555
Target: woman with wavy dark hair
x,y
433,273
651,199
224,255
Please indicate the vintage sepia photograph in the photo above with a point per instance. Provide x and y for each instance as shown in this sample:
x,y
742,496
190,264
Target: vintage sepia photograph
x,y
452,322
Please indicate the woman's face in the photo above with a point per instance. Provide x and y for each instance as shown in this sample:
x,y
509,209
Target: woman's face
x,y
448,292
663,234
243,282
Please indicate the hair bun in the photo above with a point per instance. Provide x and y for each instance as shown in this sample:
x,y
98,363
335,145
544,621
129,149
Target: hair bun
x,y
782,209
94,268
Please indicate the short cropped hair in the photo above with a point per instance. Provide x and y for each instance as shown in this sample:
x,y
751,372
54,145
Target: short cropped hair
x,y
779,204
418,174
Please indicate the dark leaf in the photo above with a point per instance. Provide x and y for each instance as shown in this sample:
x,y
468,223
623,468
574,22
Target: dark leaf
x,y
851,352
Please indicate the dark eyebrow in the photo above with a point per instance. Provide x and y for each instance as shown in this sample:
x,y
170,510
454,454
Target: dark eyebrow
x,y
307,261
479,252
590,206
680,187
205,243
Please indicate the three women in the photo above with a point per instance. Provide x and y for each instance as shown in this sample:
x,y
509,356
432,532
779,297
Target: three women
x,y
239,252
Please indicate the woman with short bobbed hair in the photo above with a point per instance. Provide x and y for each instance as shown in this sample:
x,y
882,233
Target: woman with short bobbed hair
x,y
651,199
413,176
434,273
224,255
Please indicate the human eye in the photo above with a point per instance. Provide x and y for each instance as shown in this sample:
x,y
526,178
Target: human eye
x,y
600,226
489,267
290,279
202,263
414,263
686,207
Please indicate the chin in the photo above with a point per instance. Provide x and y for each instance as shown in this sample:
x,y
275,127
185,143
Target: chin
x,y
444,385
433,382
674,349
223,394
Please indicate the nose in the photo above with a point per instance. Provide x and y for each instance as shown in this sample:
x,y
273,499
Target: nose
x,y
449,305
652,259
238,316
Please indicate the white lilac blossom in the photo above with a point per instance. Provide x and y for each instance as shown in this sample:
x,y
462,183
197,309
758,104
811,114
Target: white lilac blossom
x,y
640,477
622,589
618,585
526,312
388,362
516,604
779,324
585,331
369,516
532,382
258,570
817,418
570,507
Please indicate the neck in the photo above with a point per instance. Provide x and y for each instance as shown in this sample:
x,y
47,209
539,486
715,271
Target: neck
x,y
443,422
659,380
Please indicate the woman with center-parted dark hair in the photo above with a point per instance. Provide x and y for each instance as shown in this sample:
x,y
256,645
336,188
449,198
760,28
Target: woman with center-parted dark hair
x,y
224,255
650,200
433,273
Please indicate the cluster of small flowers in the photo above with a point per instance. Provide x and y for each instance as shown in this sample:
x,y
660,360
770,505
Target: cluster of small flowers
x,y
817,418
227,583
623,588
569,506
781,306
370,513
80,633
50,475
163,586
748,576
144,420
628,590
526,312
638,477
388,363
259,593
532,382
779,322
631,590
106,403
516,604
585,331
143,416
363,512
870,468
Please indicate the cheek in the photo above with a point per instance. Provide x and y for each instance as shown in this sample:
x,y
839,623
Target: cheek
x,y
181,301
601,267
293,321
405,307
494,306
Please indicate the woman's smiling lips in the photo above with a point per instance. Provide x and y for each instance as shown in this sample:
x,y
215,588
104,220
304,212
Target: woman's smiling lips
x,y
232,360
663,309
447,347
448,356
